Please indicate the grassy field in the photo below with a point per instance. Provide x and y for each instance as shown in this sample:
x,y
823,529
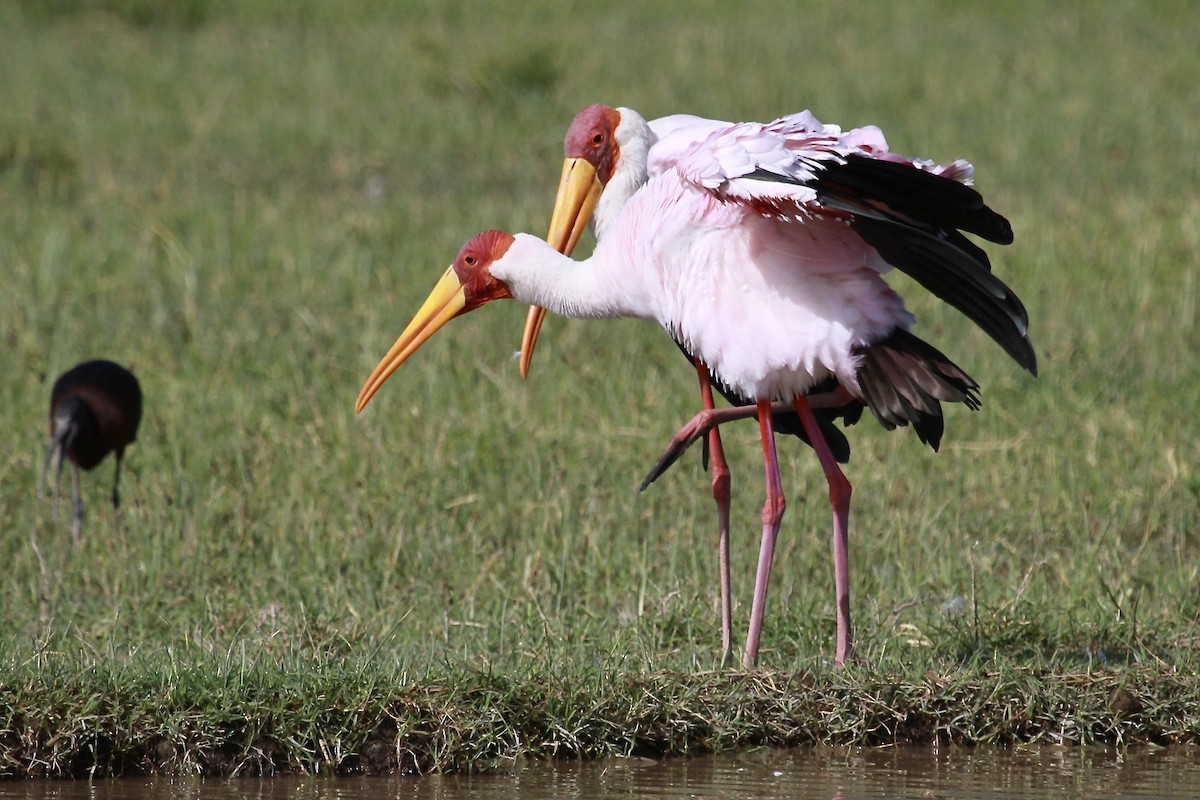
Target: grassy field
x,y
247,201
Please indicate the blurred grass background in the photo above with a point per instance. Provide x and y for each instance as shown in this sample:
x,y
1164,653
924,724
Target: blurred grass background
x,y
247,201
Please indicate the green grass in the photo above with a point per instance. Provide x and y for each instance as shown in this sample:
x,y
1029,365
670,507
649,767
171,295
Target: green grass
x,y
465,573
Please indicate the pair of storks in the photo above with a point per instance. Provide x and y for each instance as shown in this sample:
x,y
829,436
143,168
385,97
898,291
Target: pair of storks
x,y
761,249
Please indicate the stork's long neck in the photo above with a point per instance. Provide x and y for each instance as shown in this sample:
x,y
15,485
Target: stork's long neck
x,y
623,185
597,288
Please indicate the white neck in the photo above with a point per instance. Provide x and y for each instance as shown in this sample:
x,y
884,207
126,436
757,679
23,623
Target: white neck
x,y
538,274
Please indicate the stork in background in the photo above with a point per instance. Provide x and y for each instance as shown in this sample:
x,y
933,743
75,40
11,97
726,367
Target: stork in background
x,y
606,161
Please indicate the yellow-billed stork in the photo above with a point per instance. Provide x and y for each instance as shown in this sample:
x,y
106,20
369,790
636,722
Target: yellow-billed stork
x,y
607,155
761,249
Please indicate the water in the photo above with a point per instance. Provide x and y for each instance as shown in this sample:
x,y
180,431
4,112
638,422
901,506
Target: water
x,y
826,773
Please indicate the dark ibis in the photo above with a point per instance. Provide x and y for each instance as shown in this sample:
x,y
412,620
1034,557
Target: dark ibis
x,y
95,409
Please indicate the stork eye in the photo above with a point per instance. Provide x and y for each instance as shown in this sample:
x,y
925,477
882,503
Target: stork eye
x,y
469,261
598,138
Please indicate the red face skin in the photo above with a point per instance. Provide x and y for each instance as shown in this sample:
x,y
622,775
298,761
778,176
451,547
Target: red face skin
x,y
471,266
592,137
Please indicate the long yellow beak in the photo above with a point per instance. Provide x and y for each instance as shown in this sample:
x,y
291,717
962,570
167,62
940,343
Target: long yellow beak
x,y
445,302
579,190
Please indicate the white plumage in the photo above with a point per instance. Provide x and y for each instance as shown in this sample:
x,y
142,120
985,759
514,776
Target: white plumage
x,y
761,249
772,308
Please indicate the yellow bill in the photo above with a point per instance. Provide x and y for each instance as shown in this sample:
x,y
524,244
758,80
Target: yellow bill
x,y
445,302
579,190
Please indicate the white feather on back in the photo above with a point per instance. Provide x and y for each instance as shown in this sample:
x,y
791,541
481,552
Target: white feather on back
x,y
772,307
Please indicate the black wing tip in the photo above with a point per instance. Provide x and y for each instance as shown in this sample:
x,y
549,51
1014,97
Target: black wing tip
x,y
1005,236
912,192
905,380
1032,366
1021,351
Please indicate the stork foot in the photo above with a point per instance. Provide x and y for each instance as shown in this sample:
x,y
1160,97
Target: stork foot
x,y
693,430
710,418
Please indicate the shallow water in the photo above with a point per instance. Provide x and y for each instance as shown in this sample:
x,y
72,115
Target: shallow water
x,y
828,773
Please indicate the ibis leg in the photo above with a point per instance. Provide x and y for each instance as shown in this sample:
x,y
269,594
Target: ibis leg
x,y
77,516
62,450
772,513
116,497
720,490
839,499
50,451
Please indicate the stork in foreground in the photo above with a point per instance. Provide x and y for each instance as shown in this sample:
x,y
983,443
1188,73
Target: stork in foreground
x,y
764,256
95,409
606,162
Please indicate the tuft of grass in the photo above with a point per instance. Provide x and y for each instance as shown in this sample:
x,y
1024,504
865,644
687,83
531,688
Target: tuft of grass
x,y
253,713
245,202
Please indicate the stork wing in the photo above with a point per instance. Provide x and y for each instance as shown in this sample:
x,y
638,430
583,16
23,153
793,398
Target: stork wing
x,y
768,167
912,211
914,219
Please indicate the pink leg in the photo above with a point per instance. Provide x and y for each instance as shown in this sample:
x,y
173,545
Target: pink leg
x,y
839,499
720,492
704,422
710,418
771,515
